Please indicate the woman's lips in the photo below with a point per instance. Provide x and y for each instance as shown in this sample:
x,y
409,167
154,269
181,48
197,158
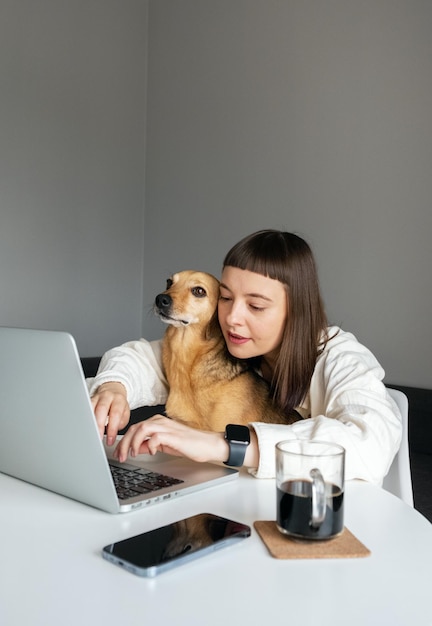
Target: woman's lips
x,y
237,339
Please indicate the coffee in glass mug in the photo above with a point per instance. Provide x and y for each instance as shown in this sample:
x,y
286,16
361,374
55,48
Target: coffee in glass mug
x,y
310,489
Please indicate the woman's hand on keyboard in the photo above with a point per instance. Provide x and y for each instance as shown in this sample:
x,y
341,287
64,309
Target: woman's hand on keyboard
x,y
162,434
111,409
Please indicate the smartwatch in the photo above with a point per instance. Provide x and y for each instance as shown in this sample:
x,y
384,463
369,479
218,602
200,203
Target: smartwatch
x,y
238,439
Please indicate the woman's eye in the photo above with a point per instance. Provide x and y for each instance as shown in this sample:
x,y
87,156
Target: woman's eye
x,y
256,308
199,292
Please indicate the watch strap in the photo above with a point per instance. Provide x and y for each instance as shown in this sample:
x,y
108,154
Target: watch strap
x,y
238,439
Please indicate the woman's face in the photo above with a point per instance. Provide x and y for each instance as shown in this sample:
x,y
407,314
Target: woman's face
x,y
252,313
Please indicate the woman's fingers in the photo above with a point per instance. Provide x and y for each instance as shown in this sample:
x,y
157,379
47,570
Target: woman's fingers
x,y
111,409
161,434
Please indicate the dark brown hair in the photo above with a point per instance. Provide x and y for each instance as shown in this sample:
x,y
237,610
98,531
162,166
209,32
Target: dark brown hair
x,y
288,258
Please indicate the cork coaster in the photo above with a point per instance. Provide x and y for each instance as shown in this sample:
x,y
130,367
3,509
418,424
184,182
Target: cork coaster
x,y
280,546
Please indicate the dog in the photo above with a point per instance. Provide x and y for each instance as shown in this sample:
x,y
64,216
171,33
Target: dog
x,y
208,388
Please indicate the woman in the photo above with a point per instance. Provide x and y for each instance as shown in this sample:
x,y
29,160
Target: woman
x,y
270,310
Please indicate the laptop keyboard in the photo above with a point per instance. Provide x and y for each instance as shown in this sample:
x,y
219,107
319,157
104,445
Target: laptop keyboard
x,y
134,482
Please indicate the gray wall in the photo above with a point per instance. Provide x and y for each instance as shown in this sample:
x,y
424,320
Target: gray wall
x,y
142,137
72,147
312,116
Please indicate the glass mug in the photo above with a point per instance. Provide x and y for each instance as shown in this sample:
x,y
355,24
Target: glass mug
x,y
310,488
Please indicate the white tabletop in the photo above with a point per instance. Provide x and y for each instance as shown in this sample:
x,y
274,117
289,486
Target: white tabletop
x,y
52,572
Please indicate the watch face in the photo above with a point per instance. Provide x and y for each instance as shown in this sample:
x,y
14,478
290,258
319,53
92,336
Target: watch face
x,y
237,433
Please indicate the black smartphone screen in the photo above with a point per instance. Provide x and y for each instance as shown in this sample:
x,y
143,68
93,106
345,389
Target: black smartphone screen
x,y
157,550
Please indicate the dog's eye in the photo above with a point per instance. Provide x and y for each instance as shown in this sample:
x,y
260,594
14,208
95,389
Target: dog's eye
x,y
169,283
199,292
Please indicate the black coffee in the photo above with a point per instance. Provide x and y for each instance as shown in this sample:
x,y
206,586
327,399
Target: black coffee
x,y
294,510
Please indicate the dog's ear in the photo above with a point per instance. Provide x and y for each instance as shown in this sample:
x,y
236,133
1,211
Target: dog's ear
x,y
213,329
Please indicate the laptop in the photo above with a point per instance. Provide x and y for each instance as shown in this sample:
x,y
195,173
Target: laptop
x,y
49,437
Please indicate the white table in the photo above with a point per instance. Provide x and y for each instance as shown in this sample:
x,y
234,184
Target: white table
x,y
52,573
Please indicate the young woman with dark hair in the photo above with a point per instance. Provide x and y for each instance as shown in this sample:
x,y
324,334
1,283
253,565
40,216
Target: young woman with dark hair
x,y
287,258
271,312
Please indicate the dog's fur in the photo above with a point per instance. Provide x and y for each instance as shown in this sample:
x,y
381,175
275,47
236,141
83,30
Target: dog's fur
x,y
208,387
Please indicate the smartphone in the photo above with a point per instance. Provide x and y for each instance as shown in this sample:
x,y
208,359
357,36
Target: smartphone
x,y
161,549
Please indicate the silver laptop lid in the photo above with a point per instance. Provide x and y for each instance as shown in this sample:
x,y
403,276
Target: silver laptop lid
x,y
48,433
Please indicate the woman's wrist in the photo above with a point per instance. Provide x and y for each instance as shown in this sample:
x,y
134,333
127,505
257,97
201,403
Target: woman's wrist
x,y
113,386
221,448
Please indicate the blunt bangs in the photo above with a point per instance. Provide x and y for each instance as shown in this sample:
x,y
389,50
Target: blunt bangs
x,y
267,252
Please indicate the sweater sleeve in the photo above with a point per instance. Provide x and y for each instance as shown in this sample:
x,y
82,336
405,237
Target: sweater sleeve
x,y
138,366
348,404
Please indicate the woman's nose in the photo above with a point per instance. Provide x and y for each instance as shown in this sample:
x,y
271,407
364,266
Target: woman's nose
x,y
235,315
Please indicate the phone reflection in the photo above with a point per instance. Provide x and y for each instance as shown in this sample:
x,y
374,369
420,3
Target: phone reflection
x,y
195,533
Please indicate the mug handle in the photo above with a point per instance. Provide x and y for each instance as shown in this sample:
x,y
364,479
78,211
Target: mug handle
x,y
318,498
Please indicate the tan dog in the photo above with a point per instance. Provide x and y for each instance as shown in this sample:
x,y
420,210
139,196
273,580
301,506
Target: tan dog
x,y
208,387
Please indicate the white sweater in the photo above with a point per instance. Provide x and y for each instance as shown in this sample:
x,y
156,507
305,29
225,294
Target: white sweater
x,y
347,403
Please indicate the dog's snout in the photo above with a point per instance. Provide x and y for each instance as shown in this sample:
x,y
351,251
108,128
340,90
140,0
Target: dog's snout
x,y
163,301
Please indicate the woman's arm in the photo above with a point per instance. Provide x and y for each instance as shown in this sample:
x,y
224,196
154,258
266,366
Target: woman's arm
x,y
162,434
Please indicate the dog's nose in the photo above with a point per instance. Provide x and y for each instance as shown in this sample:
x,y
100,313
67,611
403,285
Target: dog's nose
x,y
163,301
